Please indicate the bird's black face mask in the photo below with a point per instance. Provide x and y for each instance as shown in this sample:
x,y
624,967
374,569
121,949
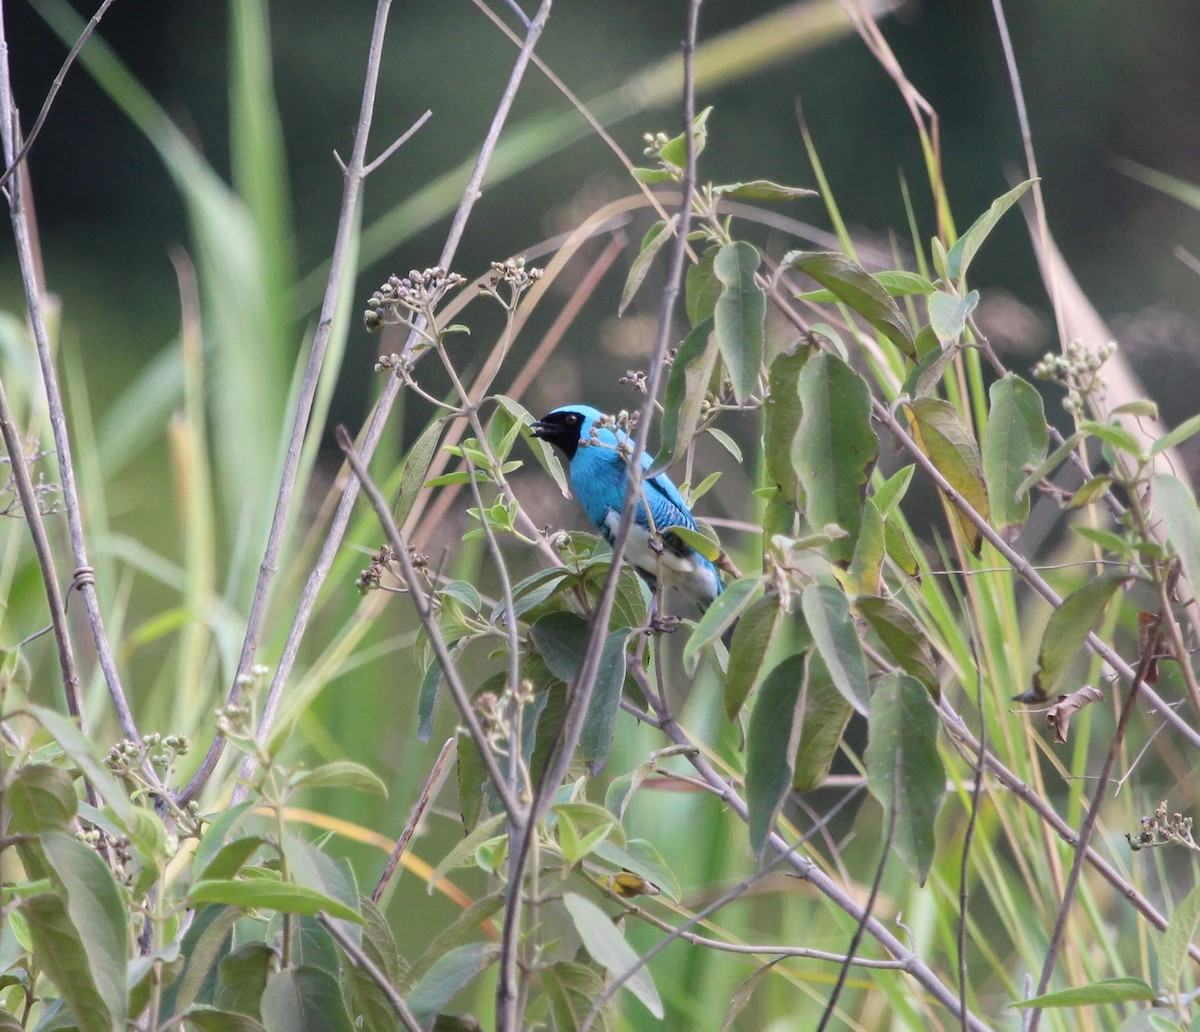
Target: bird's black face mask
x,y
560,428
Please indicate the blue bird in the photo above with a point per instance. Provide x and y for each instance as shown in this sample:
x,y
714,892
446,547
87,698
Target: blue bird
x,y
598,477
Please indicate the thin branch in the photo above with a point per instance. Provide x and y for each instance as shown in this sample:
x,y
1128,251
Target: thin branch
x,y
1026,570
374,431
342,253
869,906
355,953
396,145
429,621
807,869
1089,821
676,933
55,86
432,784
959,732
45,557
969,835
84,577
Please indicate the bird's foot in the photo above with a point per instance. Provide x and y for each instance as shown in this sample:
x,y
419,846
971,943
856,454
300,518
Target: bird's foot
x,y
665,624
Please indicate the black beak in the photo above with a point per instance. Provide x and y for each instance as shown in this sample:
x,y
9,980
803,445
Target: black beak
x,y
541,429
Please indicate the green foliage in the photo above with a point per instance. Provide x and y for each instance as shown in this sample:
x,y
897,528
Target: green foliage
x,y
861,615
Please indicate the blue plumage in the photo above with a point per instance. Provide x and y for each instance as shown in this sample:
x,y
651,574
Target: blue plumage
x,y
599,473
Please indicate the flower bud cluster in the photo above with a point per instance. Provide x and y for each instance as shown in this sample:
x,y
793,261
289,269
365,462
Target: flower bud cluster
x,y
402,297
635,378
654,142
1077,369
1160,830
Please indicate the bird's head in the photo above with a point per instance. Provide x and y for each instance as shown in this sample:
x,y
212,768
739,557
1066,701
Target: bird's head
x,y
564,427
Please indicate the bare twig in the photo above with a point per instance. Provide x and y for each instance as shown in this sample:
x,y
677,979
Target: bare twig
x,y
397,144
355,953
55,86
432,783
1027,570
969,835
912,964
342,249
869,906
83,578
1153,638
374,431
428,618
45,557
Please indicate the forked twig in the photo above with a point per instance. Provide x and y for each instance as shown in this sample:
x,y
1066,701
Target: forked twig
x,y
374,430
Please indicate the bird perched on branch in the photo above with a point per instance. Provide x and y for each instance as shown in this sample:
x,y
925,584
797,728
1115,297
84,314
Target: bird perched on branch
x,y
598,457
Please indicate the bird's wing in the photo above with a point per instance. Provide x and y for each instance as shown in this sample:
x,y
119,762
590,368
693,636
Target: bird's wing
x,y
666,504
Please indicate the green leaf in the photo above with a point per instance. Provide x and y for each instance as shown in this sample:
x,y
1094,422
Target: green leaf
x,y
701,288
209,937
959,257
897,282
317,870
40,798
825,716
242,978
743,992
904,767
751,640
446,976
652,243
229,859
941,435
1068,628
687,387
216,834
892,491
771,745
302,998
1114,434
1173,950
214,1019
562,638
828,615
674,152
1090,491
95,907
60,951
1188,428
1177,506
76,745
651,176
902,636
782,413
762,190
431,689
571,988
850,283
1051,462
834,449
416,467
464,852
259,894
739,318
379,947
1105,539
719,616
696,539
1015,437
342,774
608,948
1109,990
948,313
862,576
